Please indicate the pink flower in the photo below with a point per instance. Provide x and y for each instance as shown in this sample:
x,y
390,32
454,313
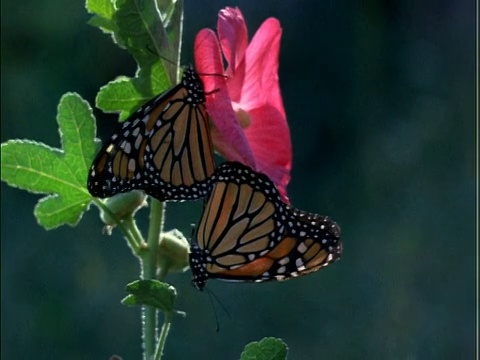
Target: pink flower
x,y
246,106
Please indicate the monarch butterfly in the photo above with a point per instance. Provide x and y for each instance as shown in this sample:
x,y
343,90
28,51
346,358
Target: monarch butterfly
x,y
163,148
247,233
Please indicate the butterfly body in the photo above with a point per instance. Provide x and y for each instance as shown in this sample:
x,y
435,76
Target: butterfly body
x,y
247,233
164,148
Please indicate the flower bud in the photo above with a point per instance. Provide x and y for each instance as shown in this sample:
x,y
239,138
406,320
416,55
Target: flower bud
x,y
173,251
123,205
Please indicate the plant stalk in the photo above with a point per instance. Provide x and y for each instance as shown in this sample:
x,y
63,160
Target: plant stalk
x,y
163,335
149,268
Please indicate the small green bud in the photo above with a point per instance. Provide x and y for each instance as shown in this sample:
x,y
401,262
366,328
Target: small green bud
x,y
173,251
123,205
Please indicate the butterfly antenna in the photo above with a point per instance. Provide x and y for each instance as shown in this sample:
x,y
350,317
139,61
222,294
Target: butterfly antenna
x,y
210,74
223,306
212,92
193,231
211,295
160,56
217,322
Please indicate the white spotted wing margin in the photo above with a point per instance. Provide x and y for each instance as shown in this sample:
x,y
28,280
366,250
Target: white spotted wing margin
x,y
318,244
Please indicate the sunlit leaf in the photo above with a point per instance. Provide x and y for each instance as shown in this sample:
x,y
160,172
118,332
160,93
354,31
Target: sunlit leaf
x,y
61,173
125,95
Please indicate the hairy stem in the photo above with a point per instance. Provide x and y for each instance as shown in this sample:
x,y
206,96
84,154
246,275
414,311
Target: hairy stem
x,y
163,335
133,241
149,268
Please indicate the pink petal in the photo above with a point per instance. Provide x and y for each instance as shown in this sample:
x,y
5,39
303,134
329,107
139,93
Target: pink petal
x,y
268,133
261,81
228,136
253,86
208,59
233,36
269,139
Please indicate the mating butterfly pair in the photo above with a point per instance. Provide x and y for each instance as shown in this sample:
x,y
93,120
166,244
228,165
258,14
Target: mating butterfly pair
x,y
246,232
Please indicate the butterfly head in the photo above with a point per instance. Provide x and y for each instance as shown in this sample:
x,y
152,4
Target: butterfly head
x,y
191,81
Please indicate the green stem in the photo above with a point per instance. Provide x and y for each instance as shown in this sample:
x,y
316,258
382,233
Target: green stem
x,y
130,222
132,241
162,273
149,262
163,335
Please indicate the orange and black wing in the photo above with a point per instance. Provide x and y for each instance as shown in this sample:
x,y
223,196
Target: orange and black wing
x,y
247,233
310,243
163,148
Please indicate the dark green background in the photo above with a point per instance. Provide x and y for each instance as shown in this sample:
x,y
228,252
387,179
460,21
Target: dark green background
x,y
380,100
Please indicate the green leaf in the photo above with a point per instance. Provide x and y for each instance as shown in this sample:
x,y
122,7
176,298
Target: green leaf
x,y
151,32
151,292
140,25
266,349
172,15
144,33
127,95
103,8
39,168
105,25
103,11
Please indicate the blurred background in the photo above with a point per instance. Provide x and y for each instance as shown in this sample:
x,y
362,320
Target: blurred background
x,y
380,102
